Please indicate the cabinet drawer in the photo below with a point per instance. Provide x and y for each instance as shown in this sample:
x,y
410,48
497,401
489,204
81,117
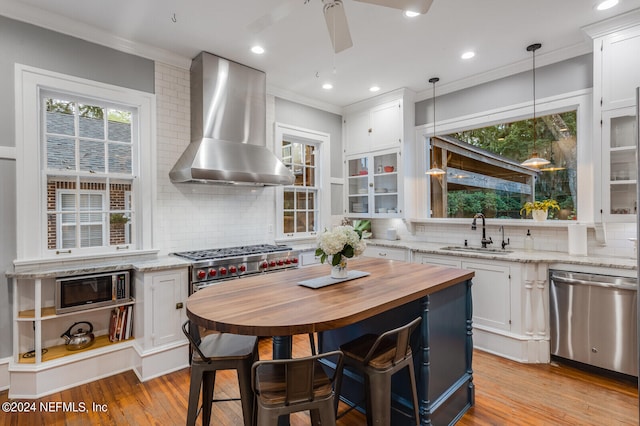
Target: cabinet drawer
x,y
386,253
308,258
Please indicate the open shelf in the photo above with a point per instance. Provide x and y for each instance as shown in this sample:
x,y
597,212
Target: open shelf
x,y
59,351
49,312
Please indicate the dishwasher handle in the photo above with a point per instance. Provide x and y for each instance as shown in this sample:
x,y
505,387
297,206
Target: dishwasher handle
x,y
564,280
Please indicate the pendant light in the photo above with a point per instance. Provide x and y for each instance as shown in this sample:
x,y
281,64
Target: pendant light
x,y
434,171
534,160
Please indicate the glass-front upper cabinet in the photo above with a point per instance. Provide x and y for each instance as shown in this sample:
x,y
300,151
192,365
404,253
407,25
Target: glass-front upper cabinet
x,y
619,167
373,185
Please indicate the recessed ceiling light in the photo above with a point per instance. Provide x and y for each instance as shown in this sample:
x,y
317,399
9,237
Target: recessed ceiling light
x,y
468,55
606,4
258,50
410,14
327,86
374,88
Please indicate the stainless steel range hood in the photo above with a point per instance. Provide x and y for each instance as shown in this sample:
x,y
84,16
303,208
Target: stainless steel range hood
x,y
228,127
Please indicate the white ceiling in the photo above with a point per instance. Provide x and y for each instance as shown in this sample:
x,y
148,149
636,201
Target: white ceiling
x,y
389,50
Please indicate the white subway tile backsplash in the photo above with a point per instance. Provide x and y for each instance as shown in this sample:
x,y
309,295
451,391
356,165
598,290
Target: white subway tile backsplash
x,y
192,216
548,239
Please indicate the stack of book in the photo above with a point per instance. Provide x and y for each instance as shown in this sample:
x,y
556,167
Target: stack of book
x,y
121,323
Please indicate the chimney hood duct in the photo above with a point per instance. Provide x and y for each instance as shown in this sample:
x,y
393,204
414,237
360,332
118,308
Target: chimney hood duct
x,y
228,128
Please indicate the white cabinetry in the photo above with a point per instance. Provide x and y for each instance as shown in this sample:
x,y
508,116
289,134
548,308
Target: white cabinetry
x,y
308,258
390,253
619,61
374,186
162,297
491,292
619,170
378,132
510,305
41,361
379,127
616,62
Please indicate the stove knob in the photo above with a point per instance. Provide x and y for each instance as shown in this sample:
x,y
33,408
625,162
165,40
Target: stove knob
x,y
232,269
294,260
287,261
243,268
264,265
212,272
280,262
272,263
223,271
201,274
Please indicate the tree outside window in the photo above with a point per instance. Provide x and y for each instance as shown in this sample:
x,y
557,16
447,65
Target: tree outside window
x,y
483,172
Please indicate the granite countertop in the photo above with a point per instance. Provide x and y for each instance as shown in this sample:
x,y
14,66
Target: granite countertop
x,y
520,256
146,264
53,270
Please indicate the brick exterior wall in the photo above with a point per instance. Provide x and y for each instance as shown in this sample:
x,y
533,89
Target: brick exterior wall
x,y
117,193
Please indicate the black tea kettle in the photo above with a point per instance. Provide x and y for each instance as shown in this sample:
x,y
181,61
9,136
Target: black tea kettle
x,y
80,339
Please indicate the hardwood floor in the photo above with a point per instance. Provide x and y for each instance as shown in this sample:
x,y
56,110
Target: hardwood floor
x,y
507,393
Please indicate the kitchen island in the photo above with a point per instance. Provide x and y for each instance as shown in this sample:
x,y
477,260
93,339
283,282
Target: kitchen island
x,y
393,293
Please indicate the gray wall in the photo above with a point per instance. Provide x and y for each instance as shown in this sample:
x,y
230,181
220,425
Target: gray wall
x,y
562,77
34,46
295,114
7,249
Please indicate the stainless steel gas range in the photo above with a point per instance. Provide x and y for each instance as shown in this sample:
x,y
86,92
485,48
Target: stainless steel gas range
x,y
215,265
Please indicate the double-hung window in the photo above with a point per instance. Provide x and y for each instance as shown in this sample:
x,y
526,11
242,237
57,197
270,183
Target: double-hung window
x,y
300,199
89,157
301,209
85,166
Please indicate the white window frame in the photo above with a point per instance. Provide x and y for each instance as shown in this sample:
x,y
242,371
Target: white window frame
x,y
30,82
580,100
321,141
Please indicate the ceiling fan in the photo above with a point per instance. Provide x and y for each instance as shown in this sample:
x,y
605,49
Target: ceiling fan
x,y
336,18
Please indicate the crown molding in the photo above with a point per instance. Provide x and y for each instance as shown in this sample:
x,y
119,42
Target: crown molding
x,y
54,22
613,24
288,95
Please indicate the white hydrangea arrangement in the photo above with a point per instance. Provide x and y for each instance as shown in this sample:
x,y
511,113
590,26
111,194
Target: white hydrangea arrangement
x,y
342,240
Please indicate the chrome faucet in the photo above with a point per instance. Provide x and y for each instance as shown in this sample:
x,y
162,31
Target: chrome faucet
x,y
504,244
484,240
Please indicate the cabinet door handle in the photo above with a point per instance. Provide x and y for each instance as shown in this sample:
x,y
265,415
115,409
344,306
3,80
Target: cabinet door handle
x,y
179,305
382,254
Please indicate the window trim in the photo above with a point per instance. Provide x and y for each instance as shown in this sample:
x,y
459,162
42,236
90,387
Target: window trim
x,y
323,179
580,100
31,181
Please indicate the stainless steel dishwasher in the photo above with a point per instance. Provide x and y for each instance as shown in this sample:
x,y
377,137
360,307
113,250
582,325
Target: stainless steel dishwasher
x,y
593,320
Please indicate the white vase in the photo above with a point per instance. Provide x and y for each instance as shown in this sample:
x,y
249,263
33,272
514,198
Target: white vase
x,y
339,271
539,215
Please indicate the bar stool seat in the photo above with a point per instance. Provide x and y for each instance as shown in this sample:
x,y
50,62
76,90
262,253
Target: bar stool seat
x,y
220,351
378,358
285,386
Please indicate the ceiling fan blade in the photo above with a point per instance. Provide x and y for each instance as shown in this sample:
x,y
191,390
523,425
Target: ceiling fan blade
x,y
337,25
420,6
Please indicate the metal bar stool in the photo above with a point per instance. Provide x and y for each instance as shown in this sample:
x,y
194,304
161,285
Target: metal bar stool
x,y
285,386
220,351
378,358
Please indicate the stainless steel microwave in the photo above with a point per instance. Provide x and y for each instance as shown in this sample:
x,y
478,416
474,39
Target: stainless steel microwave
x,y
92,291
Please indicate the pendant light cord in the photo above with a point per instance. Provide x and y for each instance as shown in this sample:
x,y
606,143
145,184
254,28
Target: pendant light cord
x,y
434,80
532,48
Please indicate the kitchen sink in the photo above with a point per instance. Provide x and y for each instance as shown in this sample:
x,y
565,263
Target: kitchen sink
x,y
476,250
